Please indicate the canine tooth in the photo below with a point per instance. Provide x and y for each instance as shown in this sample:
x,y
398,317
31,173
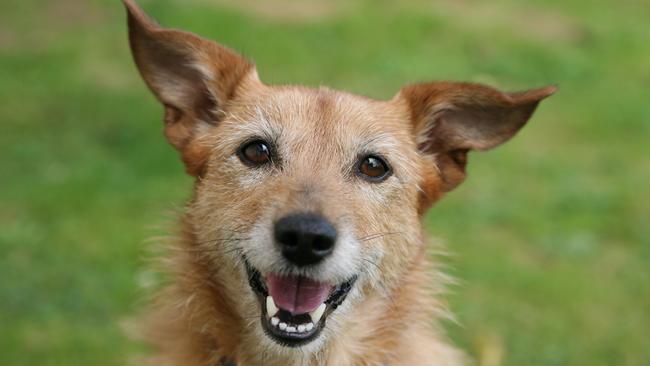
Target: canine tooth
x,y
275,321
282,326
318,313
271,309
301,328
309,326
291,329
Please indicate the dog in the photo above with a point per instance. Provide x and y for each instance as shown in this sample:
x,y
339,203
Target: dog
x,y
303,241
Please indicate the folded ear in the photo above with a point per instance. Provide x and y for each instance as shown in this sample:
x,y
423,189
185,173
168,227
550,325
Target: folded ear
x,y
193,78
449,119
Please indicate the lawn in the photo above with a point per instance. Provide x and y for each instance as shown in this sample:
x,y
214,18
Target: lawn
x,y
549,235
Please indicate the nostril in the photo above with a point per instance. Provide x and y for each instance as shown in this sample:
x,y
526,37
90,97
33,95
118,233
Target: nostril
x,y
323,243
288,238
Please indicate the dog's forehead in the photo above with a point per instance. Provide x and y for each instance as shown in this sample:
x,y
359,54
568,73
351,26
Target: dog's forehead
x,y
309,113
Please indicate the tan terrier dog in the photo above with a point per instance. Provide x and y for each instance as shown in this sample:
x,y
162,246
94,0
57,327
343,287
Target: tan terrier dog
x,y
303,242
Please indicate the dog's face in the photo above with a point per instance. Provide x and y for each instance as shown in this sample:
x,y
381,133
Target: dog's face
x,y
308,201
310,193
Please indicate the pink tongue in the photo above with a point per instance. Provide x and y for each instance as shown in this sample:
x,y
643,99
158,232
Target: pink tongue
x,y
297,295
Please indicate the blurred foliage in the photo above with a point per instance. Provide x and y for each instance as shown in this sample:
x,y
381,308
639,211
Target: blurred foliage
x,y
549,233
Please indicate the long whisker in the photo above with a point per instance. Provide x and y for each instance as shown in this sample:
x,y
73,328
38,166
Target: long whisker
x,y
369,261
379,235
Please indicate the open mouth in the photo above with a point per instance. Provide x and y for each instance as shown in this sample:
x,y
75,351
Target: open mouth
x,y
295,308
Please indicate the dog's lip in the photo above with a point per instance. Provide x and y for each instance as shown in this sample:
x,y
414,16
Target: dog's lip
x,y
290,335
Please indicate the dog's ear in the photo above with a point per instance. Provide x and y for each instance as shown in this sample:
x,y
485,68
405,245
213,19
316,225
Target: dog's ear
x,y
450,119
192,77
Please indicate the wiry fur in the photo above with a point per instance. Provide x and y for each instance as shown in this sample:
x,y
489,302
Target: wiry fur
x,y
192,322
214,102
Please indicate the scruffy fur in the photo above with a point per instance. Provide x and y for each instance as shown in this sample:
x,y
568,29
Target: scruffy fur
x,y
214,101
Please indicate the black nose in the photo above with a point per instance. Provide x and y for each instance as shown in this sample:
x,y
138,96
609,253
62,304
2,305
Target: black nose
x,y
305,238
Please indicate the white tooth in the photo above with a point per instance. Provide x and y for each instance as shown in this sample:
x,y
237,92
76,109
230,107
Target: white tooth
x,y
318,313
271,309
291,329
275,321
282,326
309,326
301,328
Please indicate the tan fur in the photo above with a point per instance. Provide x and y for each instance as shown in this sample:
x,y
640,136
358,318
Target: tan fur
x,y
214,101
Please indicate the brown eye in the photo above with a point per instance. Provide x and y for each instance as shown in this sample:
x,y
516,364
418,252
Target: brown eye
x,y
374,169
255,153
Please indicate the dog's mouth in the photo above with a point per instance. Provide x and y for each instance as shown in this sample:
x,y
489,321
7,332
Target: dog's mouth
x,y
295,308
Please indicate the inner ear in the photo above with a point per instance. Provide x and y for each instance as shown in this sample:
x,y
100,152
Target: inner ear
x,y
172,68
193,78
459,156
473,126
451,166
450,119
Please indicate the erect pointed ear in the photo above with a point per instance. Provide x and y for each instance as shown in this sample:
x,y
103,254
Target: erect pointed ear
x,y
449,119
193,78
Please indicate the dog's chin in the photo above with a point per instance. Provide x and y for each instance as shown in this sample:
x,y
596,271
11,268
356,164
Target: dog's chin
x,y
294,328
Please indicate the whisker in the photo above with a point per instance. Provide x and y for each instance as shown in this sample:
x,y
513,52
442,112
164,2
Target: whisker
x,y
379,235
371,262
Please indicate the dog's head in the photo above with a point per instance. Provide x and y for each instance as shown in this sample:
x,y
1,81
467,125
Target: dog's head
x,y
308,200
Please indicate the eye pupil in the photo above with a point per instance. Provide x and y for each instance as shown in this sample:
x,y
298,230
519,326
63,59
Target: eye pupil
x,y
374,168
256,153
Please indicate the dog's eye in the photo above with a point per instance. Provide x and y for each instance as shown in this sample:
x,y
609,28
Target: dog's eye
x,y
255,153
373,168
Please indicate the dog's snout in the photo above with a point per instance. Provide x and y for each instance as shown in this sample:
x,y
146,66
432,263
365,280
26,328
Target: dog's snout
x,y
305,238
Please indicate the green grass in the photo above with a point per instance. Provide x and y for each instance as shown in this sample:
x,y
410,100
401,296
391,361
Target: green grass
x,y
550,232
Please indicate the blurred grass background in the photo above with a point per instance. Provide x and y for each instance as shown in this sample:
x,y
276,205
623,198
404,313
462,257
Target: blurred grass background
x,y
549,233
